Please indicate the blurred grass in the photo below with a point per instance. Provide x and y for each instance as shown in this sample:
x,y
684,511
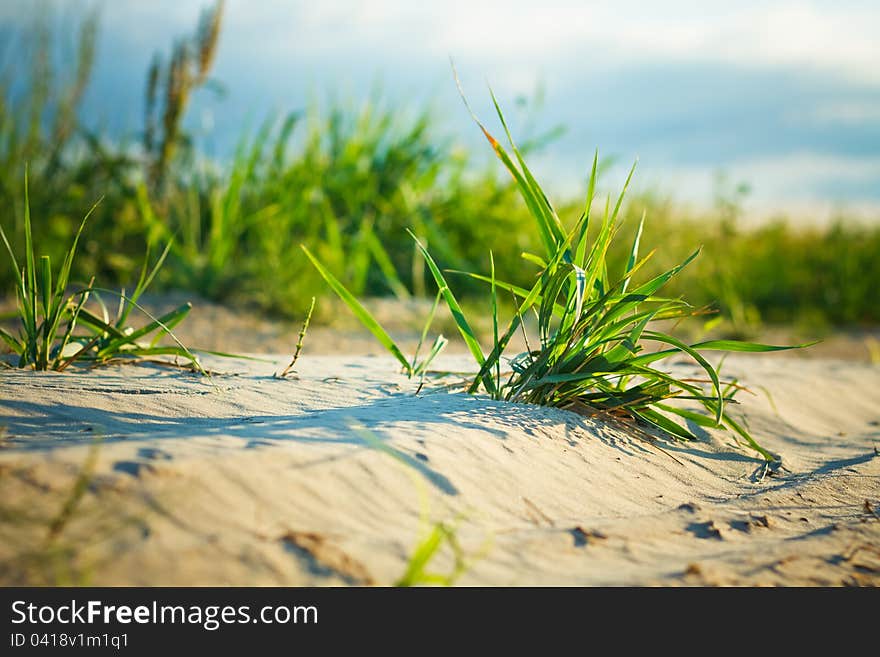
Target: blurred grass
x,y
347,181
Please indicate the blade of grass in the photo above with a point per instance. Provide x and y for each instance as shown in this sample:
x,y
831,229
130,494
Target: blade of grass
x,y
464,328
300,340
360,312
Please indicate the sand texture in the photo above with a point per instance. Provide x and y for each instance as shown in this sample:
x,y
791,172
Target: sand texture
x,y
149,475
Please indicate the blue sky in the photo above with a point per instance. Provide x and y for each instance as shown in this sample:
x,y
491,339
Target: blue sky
x,y
782,95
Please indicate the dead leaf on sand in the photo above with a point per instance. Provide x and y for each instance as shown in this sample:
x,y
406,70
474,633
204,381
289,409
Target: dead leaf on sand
x,y
324,558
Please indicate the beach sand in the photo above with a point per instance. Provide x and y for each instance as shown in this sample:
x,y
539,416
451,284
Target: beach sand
x,y
150,475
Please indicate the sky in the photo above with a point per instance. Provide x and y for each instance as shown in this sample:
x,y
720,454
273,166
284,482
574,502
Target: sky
x,y
784,96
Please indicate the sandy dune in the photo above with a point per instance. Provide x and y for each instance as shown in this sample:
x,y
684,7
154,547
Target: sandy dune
x,y
252,480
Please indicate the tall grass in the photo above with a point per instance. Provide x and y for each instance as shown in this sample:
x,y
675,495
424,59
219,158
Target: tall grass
x,y
337,189
594,326
346,179
169,88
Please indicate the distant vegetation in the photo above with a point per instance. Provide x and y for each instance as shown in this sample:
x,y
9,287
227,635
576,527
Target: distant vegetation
x,y
347,182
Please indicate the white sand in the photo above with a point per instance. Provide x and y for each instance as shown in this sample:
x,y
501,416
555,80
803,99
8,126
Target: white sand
x,y
260,481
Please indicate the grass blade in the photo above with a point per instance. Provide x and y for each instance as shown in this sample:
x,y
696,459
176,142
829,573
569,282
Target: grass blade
x,y
464,328
360,312
164,323
633,253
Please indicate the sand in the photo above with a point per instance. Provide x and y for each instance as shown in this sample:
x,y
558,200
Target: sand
x,y
245,479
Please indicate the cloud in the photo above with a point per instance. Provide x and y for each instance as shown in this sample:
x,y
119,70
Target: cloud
x,y
791,89
838,38
806,36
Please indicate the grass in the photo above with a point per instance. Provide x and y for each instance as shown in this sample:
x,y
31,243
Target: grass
x,y
434,538
347,191
55,528
427,548
412,366
300,341
346,179
595,327
56,328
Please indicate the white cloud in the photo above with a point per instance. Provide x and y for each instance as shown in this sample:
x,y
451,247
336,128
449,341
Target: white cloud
x,y
827,37
517,41
834,38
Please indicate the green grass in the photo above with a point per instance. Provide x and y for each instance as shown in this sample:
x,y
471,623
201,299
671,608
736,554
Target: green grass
x,y
55,327
431,543
598,349
595,327
346,179
412,366
300,342
58,536
434,538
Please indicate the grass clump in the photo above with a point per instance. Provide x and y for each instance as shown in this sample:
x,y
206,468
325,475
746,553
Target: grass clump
x,y
57,329
595,328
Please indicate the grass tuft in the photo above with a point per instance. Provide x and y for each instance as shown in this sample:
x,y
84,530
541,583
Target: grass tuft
x,y
599,351
56,329
595,327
